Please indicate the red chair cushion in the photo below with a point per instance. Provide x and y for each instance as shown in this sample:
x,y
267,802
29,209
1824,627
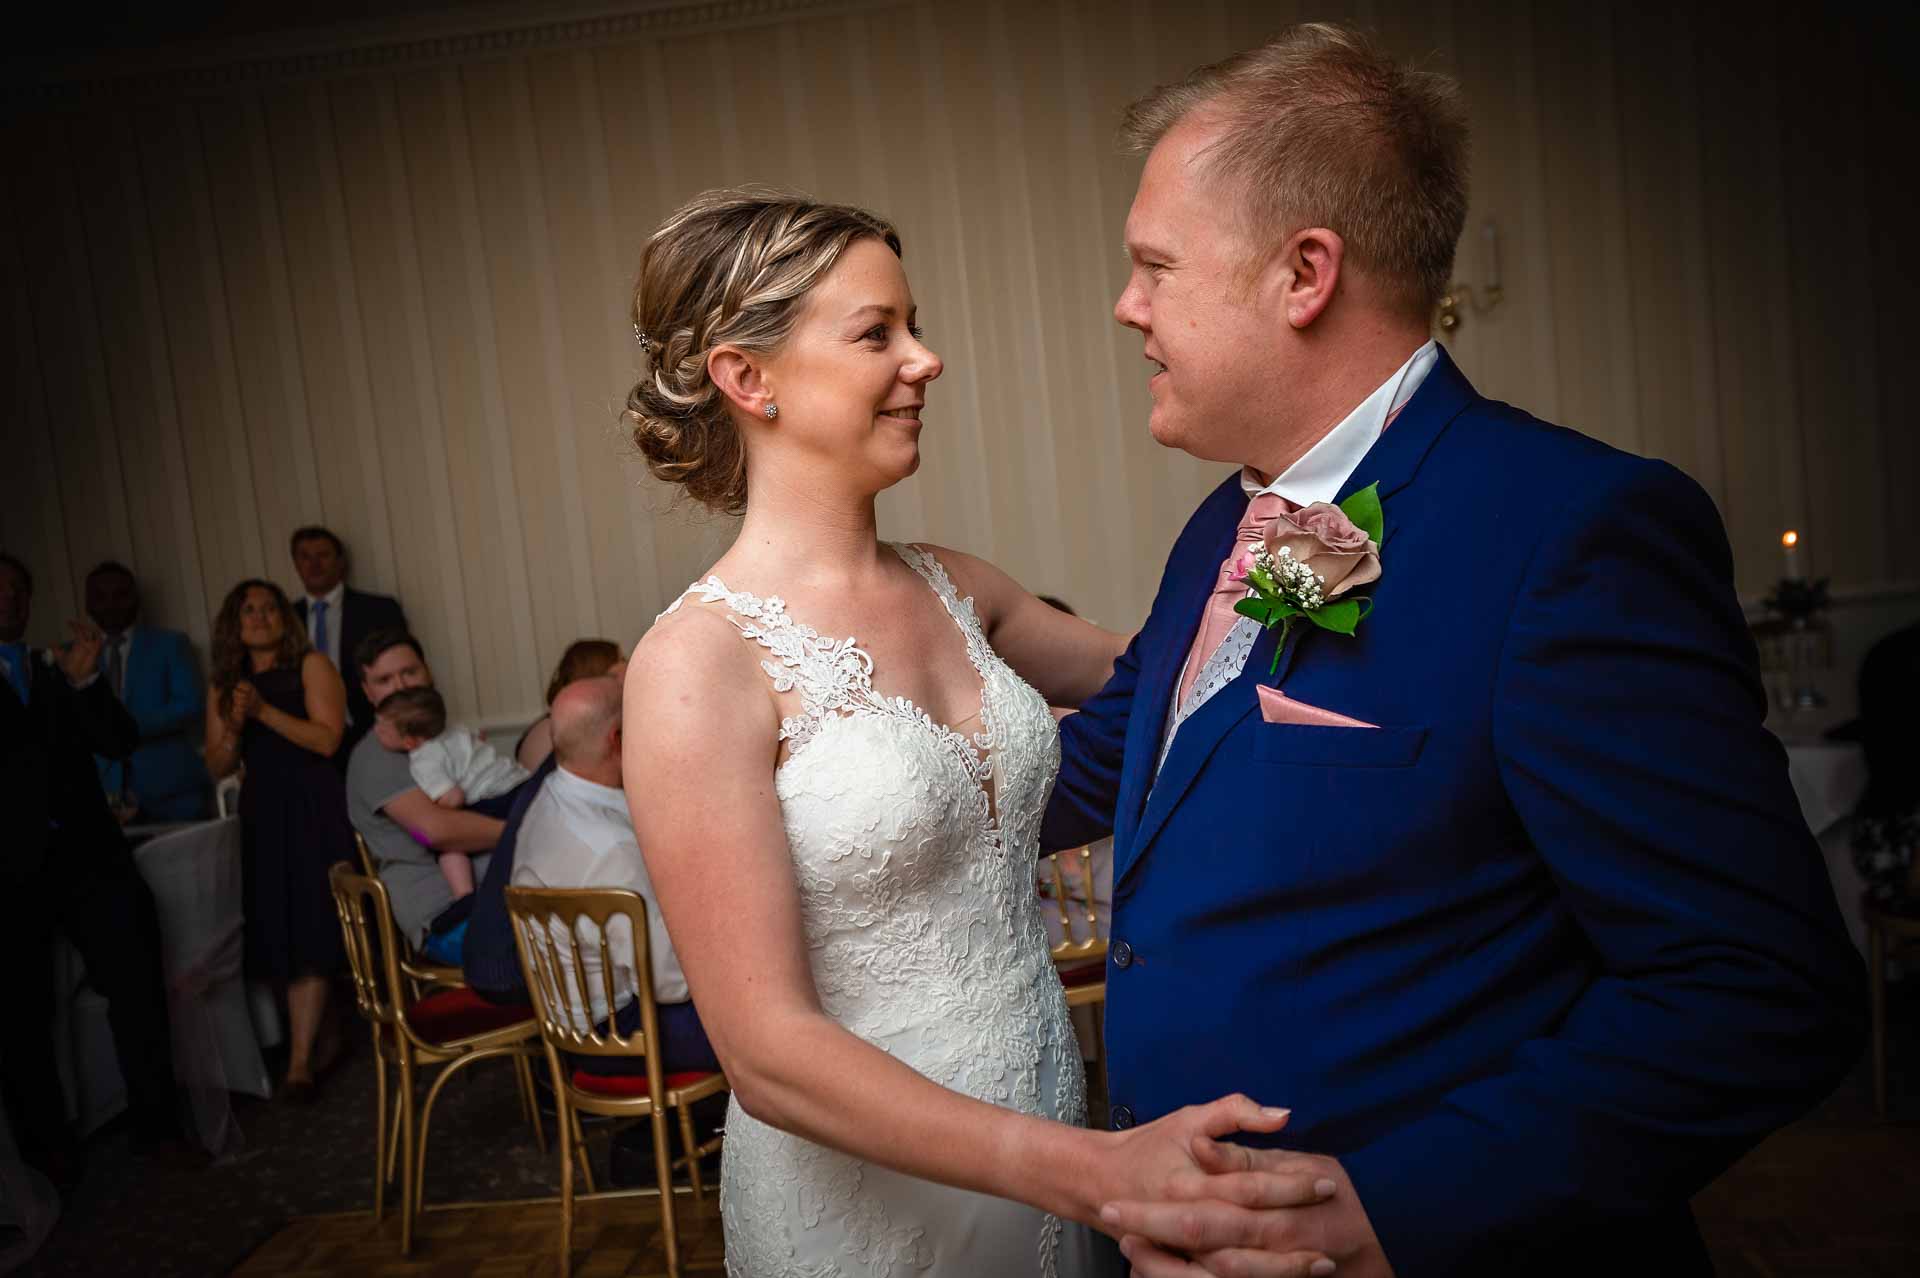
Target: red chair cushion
x,y
461,1013
633,1084
1091,974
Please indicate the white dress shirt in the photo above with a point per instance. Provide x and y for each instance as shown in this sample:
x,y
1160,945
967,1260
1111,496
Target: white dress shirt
x,y
577,833
1318,475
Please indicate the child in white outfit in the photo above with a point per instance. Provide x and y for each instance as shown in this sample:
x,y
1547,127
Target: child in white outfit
x,y
454,766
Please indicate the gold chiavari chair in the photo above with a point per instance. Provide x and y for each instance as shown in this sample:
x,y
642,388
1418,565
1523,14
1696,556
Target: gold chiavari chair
x,y
1888,934
452,1027
422,974
547,931
1080,956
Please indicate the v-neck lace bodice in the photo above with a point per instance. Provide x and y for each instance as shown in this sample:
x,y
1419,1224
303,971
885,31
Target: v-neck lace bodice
x,y
914,850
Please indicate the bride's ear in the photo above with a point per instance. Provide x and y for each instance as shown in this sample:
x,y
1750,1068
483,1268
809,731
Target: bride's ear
x,y
739,377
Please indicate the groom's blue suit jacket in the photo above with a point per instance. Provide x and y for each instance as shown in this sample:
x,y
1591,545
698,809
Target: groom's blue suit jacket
x,y
1546,951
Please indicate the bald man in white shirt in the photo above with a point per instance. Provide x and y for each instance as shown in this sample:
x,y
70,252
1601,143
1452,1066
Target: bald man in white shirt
x,y
577,833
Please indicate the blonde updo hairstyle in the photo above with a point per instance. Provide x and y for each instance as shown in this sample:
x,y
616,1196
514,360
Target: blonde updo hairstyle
x,y
729,267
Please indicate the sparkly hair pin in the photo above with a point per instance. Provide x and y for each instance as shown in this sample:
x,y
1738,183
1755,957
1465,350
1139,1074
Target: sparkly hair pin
x,y
646,343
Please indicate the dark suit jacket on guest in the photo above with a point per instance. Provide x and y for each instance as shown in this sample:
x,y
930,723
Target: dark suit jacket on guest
x,y
47,775
490,959
1540,955
361,615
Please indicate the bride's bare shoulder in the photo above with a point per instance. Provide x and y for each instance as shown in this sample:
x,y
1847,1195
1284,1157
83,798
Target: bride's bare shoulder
x,y
694,657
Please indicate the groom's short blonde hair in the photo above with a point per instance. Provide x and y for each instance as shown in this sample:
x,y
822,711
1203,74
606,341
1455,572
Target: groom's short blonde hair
x,y
1320,127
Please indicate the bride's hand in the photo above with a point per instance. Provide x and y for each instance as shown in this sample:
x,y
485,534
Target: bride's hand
x,y
1160,1163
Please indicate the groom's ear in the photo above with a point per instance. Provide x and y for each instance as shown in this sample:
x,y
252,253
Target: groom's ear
x,y
1307,273
740,379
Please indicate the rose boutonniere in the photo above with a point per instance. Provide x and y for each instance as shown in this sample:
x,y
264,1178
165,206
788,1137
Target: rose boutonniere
x,y
1308,563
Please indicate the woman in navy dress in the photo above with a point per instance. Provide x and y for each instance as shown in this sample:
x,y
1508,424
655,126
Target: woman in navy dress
x,y
277,707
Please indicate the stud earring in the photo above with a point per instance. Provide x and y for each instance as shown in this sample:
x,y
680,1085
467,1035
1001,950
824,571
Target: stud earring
x,y
773,411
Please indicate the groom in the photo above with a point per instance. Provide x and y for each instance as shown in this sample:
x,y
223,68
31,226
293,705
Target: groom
x,y
1505,894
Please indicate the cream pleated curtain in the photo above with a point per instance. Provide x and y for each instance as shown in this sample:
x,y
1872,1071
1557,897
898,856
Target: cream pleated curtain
x,y
378,280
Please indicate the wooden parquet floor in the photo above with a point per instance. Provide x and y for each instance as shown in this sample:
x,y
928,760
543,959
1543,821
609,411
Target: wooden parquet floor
x,y
612,1238
1838,1198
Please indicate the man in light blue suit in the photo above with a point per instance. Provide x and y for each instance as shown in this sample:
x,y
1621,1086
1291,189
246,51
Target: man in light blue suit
x,y
1504,893
153,673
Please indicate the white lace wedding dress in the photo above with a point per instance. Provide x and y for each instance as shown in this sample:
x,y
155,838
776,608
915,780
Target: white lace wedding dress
x,y
926,939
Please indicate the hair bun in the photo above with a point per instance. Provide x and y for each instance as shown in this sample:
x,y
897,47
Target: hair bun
x,y
728,267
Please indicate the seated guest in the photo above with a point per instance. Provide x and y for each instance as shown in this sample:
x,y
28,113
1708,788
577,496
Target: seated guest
x,y
276,706
583,659
490,961
454,766
339,619
389,809
578,833
154,674
65,868
1886,833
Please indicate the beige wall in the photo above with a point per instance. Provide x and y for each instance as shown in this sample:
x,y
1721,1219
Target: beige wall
x,y
379,282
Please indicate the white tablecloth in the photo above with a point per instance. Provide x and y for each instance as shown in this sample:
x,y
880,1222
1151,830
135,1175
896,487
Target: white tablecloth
x,y
1829,778
194,875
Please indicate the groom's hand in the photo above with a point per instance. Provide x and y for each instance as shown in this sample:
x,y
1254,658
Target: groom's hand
x,y
1231,1230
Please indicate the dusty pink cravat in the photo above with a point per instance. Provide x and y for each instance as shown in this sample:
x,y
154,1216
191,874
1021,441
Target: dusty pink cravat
x,y
1228,590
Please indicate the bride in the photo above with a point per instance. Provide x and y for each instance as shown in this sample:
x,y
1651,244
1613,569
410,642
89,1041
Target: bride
x,y
838,751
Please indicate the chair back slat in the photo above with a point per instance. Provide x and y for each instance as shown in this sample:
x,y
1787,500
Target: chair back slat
x,y
373,946
1068,898
1060,897
547,931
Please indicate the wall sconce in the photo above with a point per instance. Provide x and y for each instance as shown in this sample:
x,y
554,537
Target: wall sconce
x,y
1448,312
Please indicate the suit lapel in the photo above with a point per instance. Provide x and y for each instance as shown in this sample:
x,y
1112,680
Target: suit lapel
x,y
1159,673
1392,463
1151,705
1195,743
12,712
1395,457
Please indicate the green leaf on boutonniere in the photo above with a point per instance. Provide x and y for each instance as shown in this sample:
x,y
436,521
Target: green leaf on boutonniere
x,y
1267,612
1363,508
1340,617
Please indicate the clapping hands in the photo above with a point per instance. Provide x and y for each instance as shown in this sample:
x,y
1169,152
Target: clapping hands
x,y
1248,1213
79,657
244,705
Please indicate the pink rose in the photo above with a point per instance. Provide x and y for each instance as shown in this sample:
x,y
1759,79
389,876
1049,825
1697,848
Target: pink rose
x,y
1325,540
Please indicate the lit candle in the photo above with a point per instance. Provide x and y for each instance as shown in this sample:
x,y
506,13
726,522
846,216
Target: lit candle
x,y
1790,544
1492,234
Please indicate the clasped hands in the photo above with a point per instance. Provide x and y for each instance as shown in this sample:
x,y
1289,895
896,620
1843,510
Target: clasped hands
x,y
1212,1207
243,705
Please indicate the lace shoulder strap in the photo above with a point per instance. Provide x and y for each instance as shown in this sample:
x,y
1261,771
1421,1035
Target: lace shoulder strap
x,y
928,565
828,673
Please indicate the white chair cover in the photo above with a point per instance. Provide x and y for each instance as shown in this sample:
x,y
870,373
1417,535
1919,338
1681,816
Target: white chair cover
x,y
195,878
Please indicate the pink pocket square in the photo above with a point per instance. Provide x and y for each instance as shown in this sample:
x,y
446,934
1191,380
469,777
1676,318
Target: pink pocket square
x,y
1277,707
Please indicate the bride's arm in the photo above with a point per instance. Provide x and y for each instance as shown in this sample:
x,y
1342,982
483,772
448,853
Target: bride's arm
x,y
1066,658
700,744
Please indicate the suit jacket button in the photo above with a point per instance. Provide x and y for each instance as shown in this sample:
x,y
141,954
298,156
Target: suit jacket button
x,y
1122,954
1122,1118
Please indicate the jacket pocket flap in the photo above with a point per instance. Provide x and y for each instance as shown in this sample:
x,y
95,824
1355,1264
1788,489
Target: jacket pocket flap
x,y
1314,746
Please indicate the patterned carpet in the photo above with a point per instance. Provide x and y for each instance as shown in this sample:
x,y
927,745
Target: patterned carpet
x,y
1837,1194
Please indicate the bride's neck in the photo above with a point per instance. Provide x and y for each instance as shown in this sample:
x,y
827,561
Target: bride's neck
x,y
819,538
